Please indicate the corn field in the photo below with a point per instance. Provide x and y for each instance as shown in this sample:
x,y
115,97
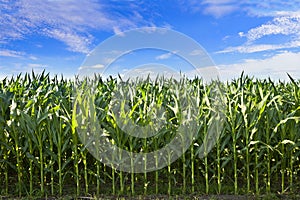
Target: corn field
x,y
41,153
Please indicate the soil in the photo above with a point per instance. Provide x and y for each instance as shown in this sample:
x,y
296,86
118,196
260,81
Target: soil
x,y
161,197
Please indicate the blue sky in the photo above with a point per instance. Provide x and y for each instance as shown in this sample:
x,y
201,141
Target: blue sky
x,y
261,38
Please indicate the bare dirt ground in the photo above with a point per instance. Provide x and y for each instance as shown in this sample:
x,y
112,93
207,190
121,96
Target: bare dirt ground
x,y
161,197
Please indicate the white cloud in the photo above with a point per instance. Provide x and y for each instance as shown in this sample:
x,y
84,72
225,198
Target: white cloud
x,y
35,65
253,48
97,66
11,53
275,67
16,54
68,21
219,8
197,52
218,1
33,58
285,25
75,42
216,8
262,8
165,56
117,31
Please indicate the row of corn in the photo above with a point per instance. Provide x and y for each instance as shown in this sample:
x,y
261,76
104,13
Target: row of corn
x,y
42,152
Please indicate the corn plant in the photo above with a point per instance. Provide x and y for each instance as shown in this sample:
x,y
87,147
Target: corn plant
x,y
42,153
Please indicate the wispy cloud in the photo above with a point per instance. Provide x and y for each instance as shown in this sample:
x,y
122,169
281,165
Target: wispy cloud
x,y
35,65
219,8
165,56
197,52
117,31
69,21
33,58
289,24
97,66
74,41
286,25
271,8
216,8
11,53
16,54
253,48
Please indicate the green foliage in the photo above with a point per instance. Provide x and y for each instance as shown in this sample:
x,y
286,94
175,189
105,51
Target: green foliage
x,y
41,154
